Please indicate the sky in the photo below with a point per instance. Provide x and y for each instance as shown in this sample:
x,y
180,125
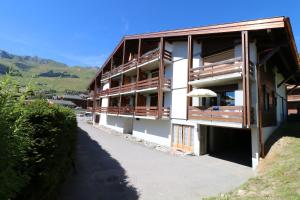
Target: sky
x,y
84,32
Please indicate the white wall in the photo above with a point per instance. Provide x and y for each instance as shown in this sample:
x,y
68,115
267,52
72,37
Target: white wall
x,y
179,103
103,119
115,122
157,131
180,63
179,80
105,86
281,113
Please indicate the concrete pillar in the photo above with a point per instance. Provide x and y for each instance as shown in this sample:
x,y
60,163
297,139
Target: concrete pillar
x,y
197,140
255,147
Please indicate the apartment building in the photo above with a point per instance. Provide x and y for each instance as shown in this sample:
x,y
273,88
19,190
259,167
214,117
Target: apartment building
x,y
152,84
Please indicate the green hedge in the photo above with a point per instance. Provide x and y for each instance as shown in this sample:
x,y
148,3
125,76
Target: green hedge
x,y
37,142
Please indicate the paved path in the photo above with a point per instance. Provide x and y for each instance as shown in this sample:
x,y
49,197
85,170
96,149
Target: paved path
x,y
110,167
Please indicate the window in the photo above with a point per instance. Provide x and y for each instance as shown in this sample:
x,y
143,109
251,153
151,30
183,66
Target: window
x,y
227,98
153,100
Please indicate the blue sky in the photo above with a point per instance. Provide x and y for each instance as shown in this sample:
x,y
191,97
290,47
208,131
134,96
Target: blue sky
x,y
84,32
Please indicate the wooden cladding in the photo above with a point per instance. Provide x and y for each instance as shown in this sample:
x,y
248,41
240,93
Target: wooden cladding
x,y
232,114
142,111
216,69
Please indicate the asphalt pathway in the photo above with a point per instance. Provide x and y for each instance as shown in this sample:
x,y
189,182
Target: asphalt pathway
x,y
110,167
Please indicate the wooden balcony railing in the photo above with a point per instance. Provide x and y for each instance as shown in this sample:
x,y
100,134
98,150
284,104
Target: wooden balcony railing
x,y
216,69
151,111
217,113
131,64
126,110
153,55
128,87
295,97
116,70
166,112
148,83
90,109
104,92
101,109
105,75
113,110
129,110
153,83
114,90
146,111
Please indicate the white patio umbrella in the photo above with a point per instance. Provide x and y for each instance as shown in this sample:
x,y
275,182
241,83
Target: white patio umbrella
x,y
202,93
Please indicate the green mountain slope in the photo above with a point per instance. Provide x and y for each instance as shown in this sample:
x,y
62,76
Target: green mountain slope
x,y
45,74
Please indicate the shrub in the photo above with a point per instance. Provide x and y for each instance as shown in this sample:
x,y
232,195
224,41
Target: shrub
x,y
37,142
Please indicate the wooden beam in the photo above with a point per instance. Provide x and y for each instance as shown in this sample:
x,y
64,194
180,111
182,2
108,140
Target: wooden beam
x,y
124,51
285,80
139,49
190,66
292,89
260,24
137,73
247,63
259,110
161,73
268,56
244,72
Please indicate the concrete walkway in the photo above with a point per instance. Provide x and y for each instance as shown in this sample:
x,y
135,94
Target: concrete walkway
x,y
110,167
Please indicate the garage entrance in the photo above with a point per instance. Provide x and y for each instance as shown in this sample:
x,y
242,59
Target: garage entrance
x,y
229,144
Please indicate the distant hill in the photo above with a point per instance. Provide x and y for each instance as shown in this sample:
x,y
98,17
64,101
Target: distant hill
x,y
45,74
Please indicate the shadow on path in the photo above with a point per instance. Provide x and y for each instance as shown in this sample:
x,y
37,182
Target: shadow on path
x,y
97,175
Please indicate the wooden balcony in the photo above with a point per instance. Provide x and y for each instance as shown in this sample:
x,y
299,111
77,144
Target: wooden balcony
x,y
103,93
116,70
90,109
153,83
126,110
144,111
105,75
140,111
113,110
233,114
154,54
128,87
294,97
114,90
216,69
130,65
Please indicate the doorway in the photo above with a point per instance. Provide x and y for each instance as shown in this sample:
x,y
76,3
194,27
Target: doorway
x,y
182,138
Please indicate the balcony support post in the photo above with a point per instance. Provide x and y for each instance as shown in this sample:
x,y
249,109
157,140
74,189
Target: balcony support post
x,y
161,77
246,80
190,66
137,74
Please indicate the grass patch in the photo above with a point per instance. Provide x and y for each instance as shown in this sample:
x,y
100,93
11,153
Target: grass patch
x,y
279,173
